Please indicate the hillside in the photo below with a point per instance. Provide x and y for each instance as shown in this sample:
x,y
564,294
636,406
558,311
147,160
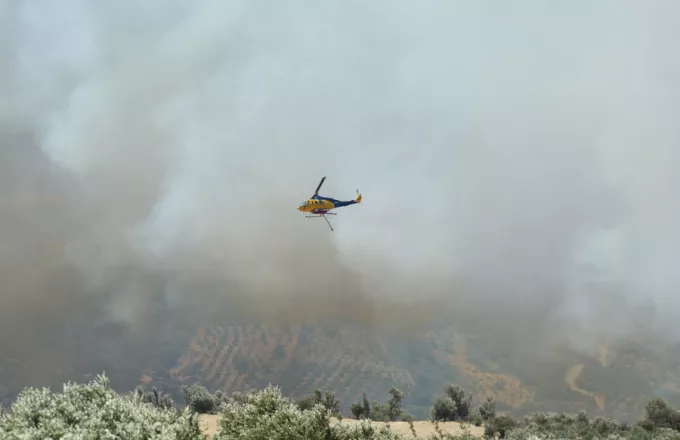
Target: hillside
x,y
351,360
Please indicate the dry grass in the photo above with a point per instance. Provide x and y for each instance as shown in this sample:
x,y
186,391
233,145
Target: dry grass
x,y
210,424
425,428
504,388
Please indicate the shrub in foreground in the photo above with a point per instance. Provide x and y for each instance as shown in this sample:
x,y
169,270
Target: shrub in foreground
x,y
93,411
267,415
580,426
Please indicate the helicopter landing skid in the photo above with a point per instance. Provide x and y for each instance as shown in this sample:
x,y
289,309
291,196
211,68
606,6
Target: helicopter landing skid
x,y
324,217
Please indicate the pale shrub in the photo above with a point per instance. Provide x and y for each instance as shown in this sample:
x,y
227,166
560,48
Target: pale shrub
x,y
666,434
576,426
93,411
267,415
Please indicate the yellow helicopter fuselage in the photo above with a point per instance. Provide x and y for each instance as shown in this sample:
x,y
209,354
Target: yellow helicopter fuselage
x,y
311,205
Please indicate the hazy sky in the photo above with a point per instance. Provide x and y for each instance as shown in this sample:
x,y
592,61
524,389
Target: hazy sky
x,y
515,158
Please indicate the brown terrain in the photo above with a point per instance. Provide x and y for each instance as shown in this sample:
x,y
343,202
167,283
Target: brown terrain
x,y
210,425
213,355
247,357
571,376
501,387
349,361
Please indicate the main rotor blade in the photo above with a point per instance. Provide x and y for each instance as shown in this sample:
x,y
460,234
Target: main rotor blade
x,y
316,193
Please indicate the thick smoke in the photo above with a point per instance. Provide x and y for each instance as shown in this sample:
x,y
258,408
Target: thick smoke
x,y
518,165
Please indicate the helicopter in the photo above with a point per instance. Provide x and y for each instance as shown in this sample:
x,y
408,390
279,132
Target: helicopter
x,y
319,206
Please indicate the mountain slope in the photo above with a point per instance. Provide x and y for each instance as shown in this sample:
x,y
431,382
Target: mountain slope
x,y
351,360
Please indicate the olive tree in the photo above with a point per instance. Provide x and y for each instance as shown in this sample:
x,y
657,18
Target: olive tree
x,y
94,411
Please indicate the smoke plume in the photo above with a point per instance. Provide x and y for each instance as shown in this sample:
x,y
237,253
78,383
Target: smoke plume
x,y
518,167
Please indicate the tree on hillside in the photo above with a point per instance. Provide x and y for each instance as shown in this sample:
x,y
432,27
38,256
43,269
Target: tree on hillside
x,y
157,398
487,410
327,399
658,414
454,406
357,410
457,395
443,410
367,406
362,409
394,403
381,412
199,399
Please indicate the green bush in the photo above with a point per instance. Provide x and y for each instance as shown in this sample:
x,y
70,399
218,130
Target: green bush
x,y
443,410
200,400
267,415
320,397
551,425
394,410
361,410
487,410
380,412
463,403
501,425
93,411
455,406
658,414
156,398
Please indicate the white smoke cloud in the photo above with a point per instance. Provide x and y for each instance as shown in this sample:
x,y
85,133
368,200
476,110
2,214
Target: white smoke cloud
x,y
497,149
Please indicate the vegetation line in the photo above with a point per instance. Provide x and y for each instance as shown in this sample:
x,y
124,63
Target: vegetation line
x,y
94,410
